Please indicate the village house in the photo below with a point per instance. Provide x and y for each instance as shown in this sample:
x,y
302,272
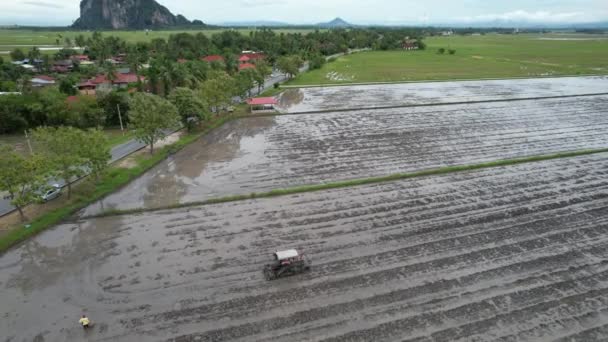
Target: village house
x,y
251,57
63,66
213,58
40,81
102,83
410,44
80,58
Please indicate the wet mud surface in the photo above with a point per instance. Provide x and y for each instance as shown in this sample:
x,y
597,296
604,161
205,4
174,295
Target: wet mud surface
x,y
517,253
385,95
261,154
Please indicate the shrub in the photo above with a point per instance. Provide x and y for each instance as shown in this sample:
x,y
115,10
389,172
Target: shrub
x,y
452,52
441,51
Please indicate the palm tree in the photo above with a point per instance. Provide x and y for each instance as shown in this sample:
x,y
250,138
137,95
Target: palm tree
x,y
110,72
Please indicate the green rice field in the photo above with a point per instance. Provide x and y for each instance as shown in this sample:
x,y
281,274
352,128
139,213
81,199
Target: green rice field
x,y
489,56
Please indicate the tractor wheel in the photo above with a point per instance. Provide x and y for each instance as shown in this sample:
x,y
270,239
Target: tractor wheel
x,y
269,274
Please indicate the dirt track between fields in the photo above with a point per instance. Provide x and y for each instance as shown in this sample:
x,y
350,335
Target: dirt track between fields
x,y
508,254
261,154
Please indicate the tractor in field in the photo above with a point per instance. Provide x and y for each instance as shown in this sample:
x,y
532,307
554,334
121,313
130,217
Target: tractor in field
x,y
286,263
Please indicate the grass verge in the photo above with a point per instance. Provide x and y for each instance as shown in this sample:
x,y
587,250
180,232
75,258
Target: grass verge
x,y
364,181
114,179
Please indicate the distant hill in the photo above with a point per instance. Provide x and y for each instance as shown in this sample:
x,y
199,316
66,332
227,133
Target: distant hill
x,y
336,23
127,14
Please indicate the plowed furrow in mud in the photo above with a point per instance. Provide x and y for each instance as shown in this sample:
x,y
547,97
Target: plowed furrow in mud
x,y
261,154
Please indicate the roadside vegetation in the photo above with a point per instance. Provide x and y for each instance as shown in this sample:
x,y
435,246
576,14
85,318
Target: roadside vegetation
x,y
89,189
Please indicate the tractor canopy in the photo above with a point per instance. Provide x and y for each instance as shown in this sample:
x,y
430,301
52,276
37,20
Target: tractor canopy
x,y
286,255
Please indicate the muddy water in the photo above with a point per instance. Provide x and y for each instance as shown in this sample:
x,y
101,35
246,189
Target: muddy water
x,y
369,96
515,253
261,154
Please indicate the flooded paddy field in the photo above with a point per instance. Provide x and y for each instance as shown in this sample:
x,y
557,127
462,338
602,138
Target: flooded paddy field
x,y
369,96
261,154
517,253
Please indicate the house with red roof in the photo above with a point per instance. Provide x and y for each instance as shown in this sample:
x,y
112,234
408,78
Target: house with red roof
x,y
262,104
87,87
40,81
101,82
246,66
251,57
213,58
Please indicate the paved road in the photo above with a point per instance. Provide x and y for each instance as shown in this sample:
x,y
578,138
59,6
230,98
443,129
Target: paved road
x,y
123,150
118,152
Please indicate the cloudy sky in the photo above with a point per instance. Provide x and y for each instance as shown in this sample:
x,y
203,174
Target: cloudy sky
x,y
63,12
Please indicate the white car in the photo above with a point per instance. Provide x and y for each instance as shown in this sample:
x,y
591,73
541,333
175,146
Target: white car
x,y
52,193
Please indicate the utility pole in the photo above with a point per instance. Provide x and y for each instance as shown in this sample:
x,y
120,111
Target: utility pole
x,y
122,129
27,137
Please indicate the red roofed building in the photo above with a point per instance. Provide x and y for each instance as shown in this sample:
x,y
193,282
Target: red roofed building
x,y
87,87
213,58
246,66
251,57
101,82
262,104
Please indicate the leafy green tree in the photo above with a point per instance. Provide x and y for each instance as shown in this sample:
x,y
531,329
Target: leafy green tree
x,y
53,105
441,51
217,91
189,106
452,51
111,102
17,55
150,117
86,112
137,55
34,54
67,86
110,73
290,65
80,41
62,147
244,81
96,152
21,176
317,62
264,71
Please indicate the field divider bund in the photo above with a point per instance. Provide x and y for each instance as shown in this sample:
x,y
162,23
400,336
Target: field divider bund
x,y
341,110
356,182
332,85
